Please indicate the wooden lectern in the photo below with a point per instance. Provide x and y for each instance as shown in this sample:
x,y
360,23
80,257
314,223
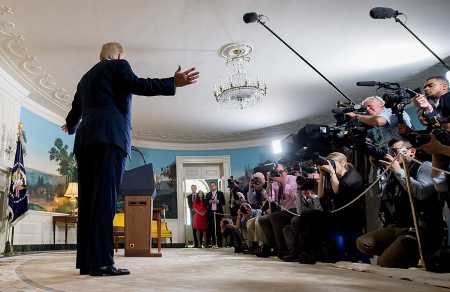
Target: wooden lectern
x,y
138,186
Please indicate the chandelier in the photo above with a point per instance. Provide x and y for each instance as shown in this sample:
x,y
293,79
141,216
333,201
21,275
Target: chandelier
x,y
236,90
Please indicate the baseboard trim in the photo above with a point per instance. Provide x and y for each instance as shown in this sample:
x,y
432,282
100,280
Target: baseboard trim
x,y
24,248
42,247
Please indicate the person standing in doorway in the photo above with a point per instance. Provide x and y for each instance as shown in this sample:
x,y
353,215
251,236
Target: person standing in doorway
x,y
200,224
216,204
191,198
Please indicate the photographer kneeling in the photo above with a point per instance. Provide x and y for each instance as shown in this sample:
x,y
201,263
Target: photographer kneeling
x,y
244,214
396,244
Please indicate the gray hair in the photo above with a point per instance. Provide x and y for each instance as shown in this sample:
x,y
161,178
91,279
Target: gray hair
x,y
375,98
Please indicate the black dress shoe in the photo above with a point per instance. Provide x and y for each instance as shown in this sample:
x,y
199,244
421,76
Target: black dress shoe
x,y
84,271
108,271
306,258
290,258
264,252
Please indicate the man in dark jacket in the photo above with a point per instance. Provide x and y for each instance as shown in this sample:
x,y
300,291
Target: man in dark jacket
x,y
216,204
101,117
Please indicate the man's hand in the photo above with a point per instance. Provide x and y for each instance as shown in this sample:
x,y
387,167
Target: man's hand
x,y
422,102
187,77
391,162
64,128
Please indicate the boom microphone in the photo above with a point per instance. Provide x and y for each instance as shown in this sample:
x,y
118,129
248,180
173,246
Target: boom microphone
x,y
367,83
250,17
383,13
376,83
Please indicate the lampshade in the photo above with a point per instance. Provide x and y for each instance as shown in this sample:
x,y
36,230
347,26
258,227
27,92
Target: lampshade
x,y
72,190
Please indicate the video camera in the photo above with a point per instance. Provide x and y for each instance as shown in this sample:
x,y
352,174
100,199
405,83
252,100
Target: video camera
x,y
232,183
395,97
267,168
346,107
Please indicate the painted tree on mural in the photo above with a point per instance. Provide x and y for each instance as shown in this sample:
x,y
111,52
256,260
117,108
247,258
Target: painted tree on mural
x,y
65,159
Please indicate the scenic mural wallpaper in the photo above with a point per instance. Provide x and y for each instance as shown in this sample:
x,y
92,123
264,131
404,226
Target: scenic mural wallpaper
x,y
242,162
49,163
50,166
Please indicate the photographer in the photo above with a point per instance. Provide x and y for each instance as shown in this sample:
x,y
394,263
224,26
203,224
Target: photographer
x,y
282,190
381,117
435,101
257,198
294,233
256,192
244,214
236,199
396,243
216,204
346,183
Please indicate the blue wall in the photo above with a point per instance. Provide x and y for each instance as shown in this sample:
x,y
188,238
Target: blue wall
x,y
240,158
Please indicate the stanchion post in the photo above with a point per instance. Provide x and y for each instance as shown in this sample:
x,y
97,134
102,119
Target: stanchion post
x,y
413,210
215,231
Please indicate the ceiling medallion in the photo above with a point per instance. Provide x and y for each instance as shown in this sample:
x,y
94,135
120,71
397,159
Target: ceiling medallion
x,y
236,90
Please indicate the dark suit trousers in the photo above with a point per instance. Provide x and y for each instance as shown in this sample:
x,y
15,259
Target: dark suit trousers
x,y
100,170
214,229
278,220
395,246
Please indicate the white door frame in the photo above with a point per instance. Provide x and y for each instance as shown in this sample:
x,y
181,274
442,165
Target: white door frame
x,y
224,161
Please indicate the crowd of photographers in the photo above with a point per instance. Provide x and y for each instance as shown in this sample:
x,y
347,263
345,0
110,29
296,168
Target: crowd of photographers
x,y
308,216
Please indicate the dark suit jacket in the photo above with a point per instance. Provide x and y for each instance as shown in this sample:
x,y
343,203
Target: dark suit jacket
x,y
220,204
103,103
444,106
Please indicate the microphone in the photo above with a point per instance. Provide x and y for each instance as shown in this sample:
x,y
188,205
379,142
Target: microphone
x,y
383,13
251,17
368,83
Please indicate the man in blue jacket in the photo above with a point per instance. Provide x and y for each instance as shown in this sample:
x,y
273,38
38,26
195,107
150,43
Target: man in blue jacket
x,y
101,117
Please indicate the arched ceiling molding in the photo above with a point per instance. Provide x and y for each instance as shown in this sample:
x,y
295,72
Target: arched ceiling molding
x,y
18,59
54,101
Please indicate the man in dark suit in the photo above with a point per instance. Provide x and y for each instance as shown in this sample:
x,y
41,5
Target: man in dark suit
x,y
101,117
190,199
216,203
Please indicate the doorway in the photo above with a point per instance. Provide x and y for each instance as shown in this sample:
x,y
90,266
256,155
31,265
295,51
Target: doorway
x,y
201,171
202,184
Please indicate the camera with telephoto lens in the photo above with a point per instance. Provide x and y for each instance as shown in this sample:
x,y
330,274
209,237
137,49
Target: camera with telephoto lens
x,y
320,160
267,168
232,183
420,138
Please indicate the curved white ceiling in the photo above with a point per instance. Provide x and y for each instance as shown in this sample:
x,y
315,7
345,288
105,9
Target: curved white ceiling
x,y
62,41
